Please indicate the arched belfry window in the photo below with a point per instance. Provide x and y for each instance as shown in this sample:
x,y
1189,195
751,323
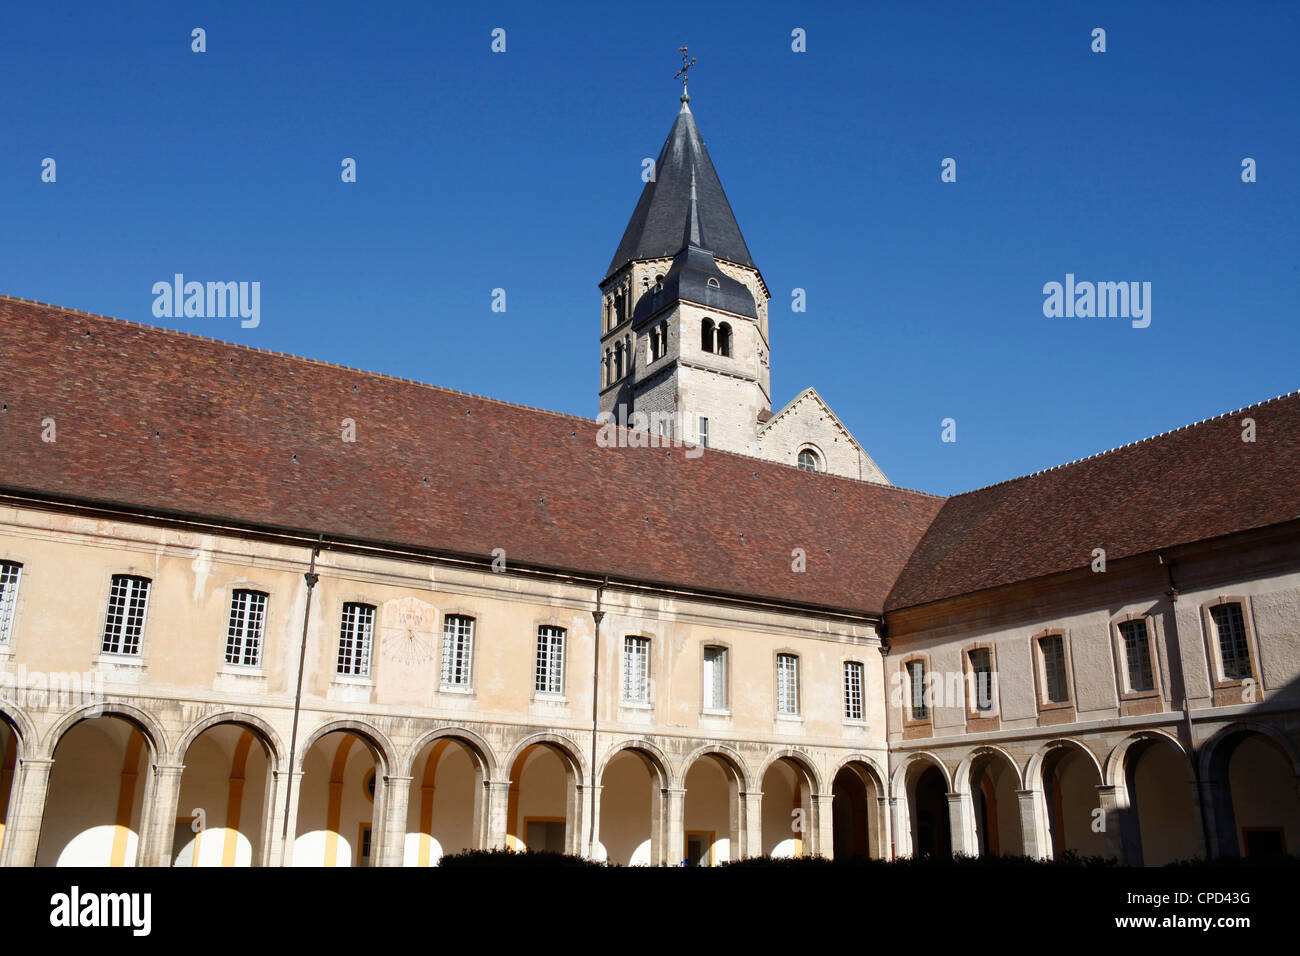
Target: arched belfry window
x,y
620,308
659,283
808,460
724,339
618,361
706,335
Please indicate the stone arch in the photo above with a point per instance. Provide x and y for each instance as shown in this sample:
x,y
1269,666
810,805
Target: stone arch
x,y
141,719
879,776
961,780
1034,769
859,816
729,757
653,756
552,808
383,747
569,752
1113,774
901,771
475,744
24,730
1209,750
715,780
797,757
260,728
1160,820
1260,800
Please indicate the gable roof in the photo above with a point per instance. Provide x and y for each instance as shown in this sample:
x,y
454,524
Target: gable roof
x,y
1196,483
169,423
812,394
658,222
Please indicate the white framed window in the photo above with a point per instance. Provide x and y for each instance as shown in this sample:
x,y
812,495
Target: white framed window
x,y
852,690
636,669
1230,629
1055,686
916,685
550,660
787,684
128,602
715,678
808,461
981,670
704,432
1137,654
356,638
10,572
244,632
457,650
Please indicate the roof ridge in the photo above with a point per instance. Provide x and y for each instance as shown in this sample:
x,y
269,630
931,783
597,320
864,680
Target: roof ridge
x,y
299,358
410,381
1140,441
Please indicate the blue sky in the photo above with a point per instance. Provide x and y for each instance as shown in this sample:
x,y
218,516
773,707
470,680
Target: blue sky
x,y
519,170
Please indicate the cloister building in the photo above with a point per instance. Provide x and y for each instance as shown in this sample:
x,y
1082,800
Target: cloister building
x,y
262,610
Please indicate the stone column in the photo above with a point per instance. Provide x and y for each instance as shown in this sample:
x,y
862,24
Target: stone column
x,y
494,823
961,824
1033,824
751,837
1222,825
882,840
673,852
1121,842
587,807
159,815
824,826
397,798
26,811
282,847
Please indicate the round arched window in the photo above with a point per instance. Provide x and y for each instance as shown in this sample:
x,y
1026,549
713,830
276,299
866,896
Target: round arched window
x,y
808,460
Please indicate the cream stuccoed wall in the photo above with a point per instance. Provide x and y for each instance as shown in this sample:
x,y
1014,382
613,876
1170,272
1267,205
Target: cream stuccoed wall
x,y
180,679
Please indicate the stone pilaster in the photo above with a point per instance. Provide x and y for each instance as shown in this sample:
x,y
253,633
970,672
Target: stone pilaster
x,y
397,797
159,818
26,811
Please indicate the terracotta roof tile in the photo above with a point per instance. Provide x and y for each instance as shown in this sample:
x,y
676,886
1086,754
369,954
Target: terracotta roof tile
x,y
1202,481
157,420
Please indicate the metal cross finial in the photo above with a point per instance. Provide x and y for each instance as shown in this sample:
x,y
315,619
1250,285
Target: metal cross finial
x,y
686,65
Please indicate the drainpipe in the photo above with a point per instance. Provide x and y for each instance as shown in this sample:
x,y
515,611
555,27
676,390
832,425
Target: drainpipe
x,y
888,783
597,615
311,578
1172,594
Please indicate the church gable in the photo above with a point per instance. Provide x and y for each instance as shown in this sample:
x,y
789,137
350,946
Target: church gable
x,y
807,426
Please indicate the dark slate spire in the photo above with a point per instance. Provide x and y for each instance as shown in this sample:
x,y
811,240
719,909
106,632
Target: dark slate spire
x,y
659,221
692,237
694,276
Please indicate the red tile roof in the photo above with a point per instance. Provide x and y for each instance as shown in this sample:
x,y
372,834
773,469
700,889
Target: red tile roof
x,y
162,421
1199,482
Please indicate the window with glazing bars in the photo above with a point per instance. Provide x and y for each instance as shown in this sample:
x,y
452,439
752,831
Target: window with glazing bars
x,y
550,660
852,690
636,669
356,636
1230,624
9,574
916,675
1054,684
244,633
981,667
457,650
715,678
128,601
1137,655
787,684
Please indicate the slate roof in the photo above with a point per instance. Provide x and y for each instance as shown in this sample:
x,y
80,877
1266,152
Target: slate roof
x,y
695,277
1198,482
169,423
659,221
